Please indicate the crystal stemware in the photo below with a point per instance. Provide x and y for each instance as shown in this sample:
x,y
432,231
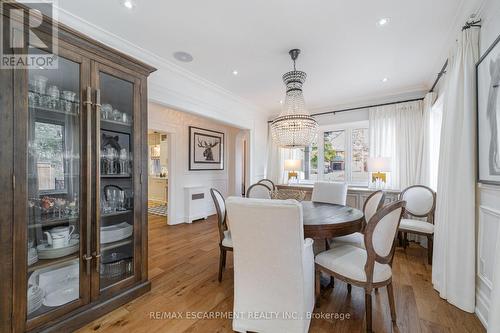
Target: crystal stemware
x,y
124,161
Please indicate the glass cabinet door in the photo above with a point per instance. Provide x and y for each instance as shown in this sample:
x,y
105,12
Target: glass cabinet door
x,y
55,186
116,179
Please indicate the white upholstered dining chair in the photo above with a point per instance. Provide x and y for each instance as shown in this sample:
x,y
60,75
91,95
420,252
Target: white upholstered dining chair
x,y
334,193
370,268
372,204
259,191
225,241
273,265
420,203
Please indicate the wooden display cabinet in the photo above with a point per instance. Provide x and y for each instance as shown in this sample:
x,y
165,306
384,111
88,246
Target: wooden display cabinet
x,y
73,227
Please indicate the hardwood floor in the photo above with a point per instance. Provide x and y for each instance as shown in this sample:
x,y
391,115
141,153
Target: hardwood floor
x,y
183,264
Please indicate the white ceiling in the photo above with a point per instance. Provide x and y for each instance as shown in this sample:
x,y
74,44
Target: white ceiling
x,y
344,52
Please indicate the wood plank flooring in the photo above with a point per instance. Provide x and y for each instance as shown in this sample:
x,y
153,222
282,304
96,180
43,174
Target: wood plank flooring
x,y
183,264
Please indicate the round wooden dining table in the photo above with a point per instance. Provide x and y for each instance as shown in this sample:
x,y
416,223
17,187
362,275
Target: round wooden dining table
x,y
324,220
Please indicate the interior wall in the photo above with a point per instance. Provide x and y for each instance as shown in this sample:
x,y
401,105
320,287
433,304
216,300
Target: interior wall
x,y
177,123
488,196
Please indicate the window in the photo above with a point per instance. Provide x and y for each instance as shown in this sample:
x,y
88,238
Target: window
x,y
314,162
334,151
359,155
340,154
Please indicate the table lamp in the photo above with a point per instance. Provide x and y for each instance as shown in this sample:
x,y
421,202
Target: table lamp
x,y
292,166
379,166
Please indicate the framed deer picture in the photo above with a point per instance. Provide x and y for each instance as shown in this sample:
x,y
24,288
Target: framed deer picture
x,y
206,149
488,115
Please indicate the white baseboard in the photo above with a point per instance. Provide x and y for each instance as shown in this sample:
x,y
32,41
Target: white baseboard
x,y
183,219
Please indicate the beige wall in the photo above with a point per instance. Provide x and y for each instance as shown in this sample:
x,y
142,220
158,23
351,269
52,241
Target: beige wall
x,y
176,124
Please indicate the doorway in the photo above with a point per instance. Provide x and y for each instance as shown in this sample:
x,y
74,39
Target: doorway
x,y
242,170
158,173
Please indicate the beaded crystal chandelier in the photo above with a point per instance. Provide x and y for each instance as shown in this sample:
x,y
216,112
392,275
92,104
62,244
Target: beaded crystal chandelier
x,y
294,127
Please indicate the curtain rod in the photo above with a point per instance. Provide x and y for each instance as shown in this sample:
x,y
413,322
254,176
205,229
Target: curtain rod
x,y
440,74
366,107
467,25
362,107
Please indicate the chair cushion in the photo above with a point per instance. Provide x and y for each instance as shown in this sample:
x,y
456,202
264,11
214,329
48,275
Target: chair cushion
x,y
227,241
356,239
349,261
417,225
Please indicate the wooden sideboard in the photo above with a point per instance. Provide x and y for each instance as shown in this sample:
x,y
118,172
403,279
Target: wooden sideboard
x,y
356,196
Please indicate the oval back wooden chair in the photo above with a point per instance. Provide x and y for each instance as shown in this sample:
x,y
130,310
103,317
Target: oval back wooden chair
x,y
420,203
370,268
372,205
259,191
225,241
269,183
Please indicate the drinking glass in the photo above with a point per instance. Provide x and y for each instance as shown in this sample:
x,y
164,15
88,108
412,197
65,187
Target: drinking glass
x,y
40,83
106,111
53,93
111,199
117,115
32,97
69,98
121,199
123,161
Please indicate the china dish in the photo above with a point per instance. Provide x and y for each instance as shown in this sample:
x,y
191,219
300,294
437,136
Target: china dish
x,y
32,256
116,232
35,298
64,294
45,251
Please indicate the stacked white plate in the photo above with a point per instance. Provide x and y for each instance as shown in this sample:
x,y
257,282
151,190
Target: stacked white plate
x,y
32,256
35,298
65,293
46,251
61,285
116,232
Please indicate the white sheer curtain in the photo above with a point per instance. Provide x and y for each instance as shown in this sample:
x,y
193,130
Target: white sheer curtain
x,y
276,156
435,121
275,160
423,171
396,132
453,270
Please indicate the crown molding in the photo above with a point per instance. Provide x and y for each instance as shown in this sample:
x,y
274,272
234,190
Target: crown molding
x,y
172,85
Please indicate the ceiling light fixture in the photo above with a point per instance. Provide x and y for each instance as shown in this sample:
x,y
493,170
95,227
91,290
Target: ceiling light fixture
x,y
183,56
385,79
129,4
383,21
294,127
235,72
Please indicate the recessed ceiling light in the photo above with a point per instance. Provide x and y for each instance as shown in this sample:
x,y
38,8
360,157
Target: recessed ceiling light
x,y
385,79
235,72
383,21
183,56
281,102
129,4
